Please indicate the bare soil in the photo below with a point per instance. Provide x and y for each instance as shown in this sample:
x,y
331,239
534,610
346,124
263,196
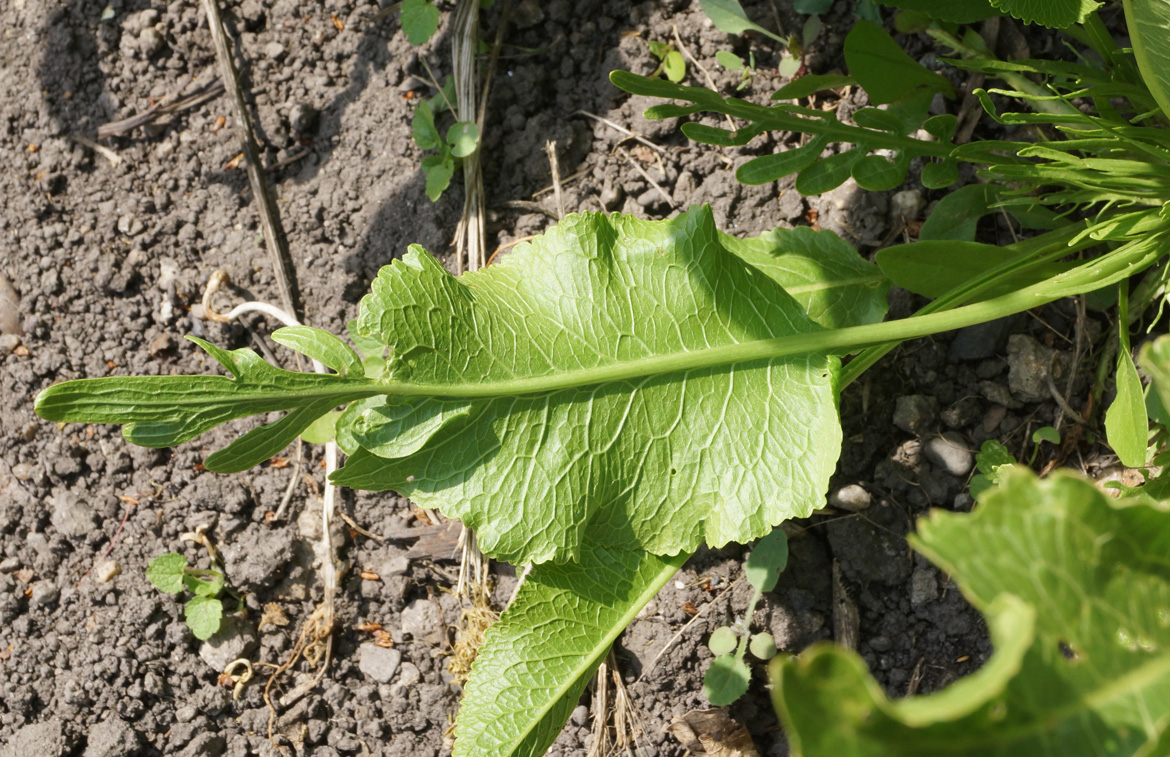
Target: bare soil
x,y
108,260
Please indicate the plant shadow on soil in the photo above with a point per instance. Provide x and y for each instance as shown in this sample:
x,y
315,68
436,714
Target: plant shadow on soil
x,y
111,663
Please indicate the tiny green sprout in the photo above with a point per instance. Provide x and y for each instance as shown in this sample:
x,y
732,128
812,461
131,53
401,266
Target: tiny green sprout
x,y
1043,434
733,62
991,457
460,141
671,61
729,60
203,612
728,677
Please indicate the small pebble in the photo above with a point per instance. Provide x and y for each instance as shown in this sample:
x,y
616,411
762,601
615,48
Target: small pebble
x,y
44,594
106,570
22,471
907,204
951,452
8,343
853,498
923,587
379,663
915,413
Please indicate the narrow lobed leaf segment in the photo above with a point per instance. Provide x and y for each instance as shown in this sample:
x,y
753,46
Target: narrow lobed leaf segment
x,y
1077,595
162,411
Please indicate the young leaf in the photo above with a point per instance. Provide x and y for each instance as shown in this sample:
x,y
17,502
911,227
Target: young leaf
x,y
463,136
1076,595
957,215
320,346
420,20
729,60
1046,434
729,17
438,169
323,430
726,680
941,174
203,616
767,561
674,66
166,572
537,659
885,71
723,641
1148,22
425,133
932,268
1127,426
992,456
207,583
763,646
879,174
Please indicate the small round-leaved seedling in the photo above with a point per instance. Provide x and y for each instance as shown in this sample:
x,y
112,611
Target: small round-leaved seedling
x,y
723,641
763,646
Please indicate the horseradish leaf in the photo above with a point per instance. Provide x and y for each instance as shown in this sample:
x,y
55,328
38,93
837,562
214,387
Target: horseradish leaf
x,y
661,458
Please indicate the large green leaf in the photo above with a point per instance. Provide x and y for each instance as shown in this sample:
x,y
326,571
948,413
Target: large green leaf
x,y
1076,587
955,11
1054,13
662,462
834,285
729,17
1149,29
885,70
537,659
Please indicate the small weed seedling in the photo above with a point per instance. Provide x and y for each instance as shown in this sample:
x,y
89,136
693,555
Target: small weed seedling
x,y
733,63
728,677
204,610
671,62
459,142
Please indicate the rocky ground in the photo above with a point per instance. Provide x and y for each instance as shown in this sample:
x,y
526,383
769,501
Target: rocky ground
x,y
107,251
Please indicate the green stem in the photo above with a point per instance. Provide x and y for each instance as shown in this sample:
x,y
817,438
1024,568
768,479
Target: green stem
x,y
1094,274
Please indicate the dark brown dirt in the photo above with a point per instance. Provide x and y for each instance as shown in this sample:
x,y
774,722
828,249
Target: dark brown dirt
x,y
108,259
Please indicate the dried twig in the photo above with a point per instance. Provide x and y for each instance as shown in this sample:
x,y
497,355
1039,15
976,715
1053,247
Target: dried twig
x,y
114,158
622,129
694,619
647,177
163,109
469,235
274,237
550,148
695,62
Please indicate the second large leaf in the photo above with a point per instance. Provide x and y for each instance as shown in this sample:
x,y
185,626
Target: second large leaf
x,y
661,457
